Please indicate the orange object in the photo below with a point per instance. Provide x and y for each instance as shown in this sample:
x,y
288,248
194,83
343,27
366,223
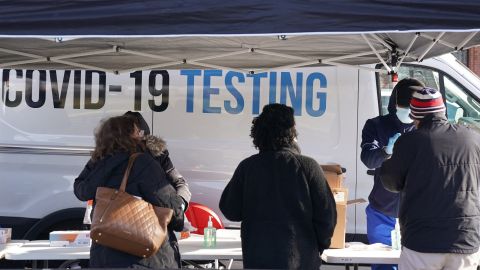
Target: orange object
x,y
394,77
198,215
184,235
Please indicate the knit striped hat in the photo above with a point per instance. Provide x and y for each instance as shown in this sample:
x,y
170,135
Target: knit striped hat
x,y
425,101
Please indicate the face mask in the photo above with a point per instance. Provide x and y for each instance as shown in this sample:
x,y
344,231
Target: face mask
x,y
403,115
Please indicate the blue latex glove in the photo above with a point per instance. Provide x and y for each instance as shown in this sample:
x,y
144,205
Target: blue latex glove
x,y
391,142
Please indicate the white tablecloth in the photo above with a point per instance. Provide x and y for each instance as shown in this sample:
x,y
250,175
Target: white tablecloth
x,y
366,255
4,248
228,247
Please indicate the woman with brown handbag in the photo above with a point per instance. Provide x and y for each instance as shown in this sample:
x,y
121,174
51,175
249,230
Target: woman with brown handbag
x,y
116,140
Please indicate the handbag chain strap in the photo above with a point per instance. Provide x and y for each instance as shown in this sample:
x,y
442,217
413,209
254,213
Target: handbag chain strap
x,y
132,158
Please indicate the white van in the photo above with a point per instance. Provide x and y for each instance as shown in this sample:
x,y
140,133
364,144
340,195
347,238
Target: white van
x,y
47,120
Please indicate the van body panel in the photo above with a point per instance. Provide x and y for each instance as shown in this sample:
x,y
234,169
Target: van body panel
x,y
48,118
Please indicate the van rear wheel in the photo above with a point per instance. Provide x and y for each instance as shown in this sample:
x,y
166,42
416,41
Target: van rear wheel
x,y
74,264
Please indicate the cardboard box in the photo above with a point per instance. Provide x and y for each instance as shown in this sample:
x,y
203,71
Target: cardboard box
x,y
335,178
334,175
70,239
338,238
341,196
5,235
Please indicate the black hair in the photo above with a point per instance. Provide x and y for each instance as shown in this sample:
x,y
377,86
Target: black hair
x,y
274,128
140,121
404,91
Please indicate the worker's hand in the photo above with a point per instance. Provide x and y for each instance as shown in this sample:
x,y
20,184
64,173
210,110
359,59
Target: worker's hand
x,y
389,148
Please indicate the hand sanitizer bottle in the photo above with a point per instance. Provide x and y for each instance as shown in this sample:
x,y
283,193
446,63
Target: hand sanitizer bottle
x,y
86,218
395,235
209,235
399,235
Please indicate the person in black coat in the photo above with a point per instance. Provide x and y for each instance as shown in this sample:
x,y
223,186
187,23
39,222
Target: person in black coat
x,y
158,148
115,140
282,198
436,169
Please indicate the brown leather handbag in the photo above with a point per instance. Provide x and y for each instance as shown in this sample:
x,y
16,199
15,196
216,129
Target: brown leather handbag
x,y
127,223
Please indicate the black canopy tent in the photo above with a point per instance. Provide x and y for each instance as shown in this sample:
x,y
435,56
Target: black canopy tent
x,y
248,36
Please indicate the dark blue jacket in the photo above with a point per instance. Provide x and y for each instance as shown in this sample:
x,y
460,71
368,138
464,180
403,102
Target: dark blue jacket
x,y
375,135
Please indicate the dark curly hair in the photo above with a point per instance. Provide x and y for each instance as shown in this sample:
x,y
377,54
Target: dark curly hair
x,y
274,128
114,135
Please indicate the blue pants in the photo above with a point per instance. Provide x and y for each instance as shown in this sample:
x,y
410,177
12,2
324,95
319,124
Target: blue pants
x,y
379,229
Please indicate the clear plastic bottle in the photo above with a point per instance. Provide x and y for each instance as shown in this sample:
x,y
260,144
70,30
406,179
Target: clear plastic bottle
x,y
399,235
396,237
87,222
209,235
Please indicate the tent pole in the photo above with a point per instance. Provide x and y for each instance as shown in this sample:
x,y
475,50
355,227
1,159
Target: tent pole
x,y
183,61
75,55
434,41
16,63
217,67
352,66
221,55
376,53
20,53
178,62
382,41
352,55
467,39
282,55
407,51
443,42
147,55
302,64
79,65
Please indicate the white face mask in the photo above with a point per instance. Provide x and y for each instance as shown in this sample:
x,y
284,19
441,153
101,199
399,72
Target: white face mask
x,y
403,115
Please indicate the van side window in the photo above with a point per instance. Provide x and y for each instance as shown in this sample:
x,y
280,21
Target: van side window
x,y
428,76
461,107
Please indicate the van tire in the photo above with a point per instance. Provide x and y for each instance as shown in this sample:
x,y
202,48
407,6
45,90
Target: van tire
x,y
74,264
65,219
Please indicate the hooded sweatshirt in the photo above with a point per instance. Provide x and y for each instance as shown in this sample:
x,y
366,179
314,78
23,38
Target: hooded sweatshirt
x,y
375,135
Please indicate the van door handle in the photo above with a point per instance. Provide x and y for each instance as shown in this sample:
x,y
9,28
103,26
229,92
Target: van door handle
x,y
371,172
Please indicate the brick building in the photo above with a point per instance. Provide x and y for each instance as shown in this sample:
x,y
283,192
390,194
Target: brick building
x,y
470,58
474,60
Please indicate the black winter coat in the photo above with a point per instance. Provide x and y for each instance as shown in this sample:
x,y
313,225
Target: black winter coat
x,y
437,170
158,148
146,180
286,207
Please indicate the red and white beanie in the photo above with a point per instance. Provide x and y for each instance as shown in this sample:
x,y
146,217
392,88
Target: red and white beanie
x,y
425,101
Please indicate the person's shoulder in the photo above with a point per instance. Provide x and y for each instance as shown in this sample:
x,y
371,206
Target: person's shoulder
x,y
156,145
249,160
465,127
412,138
468,130
144,159
377,121
308,162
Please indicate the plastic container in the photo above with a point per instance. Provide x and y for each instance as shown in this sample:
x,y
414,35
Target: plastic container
x,y
209,235
396,236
